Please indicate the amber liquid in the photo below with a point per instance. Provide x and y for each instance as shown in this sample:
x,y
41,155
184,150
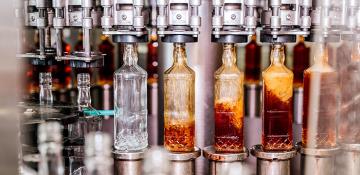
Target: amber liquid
x,y
106,72
179,136
277,122
300,63
228,128
252,60
319,124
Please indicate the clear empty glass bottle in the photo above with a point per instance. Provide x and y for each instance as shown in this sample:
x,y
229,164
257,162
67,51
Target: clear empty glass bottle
x,y
179,103
321,102
229,104
349,130
50,148
84,97
45,83
277,103
130,103
98,160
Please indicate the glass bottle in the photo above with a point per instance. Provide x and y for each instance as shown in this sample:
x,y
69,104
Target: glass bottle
x,y
321,102
300,62
349,130
277,103
98,160
130,103
50,148
106,72
84,97
45,83
179,103
229,104
252,61
79,45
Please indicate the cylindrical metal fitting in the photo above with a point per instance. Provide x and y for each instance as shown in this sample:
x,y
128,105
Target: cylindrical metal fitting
x,y
183,163
272,163
128,163
220,163
348,161
318,161
253,100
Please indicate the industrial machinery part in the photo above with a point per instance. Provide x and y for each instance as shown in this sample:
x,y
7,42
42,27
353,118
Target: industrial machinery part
x,y
220,163
124,20
178,20
128,163
272,163
233,21
183,163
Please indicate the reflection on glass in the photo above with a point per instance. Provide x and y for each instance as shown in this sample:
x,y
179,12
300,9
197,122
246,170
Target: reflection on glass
x,y
277,104
321,101
349,127
229,104
179,89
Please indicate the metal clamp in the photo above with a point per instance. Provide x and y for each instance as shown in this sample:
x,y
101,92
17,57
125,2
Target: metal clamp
x,y
221,162
272,163
318,161
183,163
128,163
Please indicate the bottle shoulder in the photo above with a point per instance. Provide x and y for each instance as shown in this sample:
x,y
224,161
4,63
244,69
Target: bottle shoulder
x,y
228,72
179,69
280,70
131,69
320,68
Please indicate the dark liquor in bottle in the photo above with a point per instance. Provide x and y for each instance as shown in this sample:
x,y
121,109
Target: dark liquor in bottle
x,y
228,128
106,72
300,62
277,104
252,61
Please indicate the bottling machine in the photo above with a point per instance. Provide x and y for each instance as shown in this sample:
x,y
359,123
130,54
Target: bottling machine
x,y
324,106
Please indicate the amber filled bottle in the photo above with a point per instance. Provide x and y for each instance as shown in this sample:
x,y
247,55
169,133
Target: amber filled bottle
x,y
106,72
179,103
277,104
321,102
300,62
252,61
349,130
229,104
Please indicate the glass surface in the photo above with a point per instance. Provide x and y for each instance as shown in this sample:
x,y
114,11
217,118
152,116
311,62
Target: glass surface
x,y
321,102
130,103
179,103
229,104
300,62
45,83
349,126
277,104
252,61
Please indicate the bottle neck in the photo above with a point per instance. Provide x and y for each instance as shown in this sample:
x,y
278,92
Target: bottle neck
x,y
277,56
45,83
229,55
322,55
355,52
179,53
130,55
84,97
